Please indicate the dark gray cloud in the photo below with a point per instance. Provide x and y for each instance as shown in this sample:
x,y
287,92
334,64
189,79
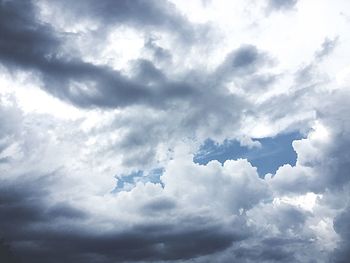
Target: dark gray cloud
x,y
39,50
282,4
342,226
28,44
6,253
334,114
140,13
246,59
148,243
37,230
265,253
159,205
23,39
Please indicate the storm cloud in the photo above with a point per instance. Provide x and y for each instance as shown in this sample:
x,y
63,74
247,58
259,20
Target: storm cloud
x,y
174,131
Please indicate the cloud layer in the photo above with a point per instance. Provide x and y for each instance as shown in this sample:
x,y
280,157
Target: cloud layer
x,y
105,106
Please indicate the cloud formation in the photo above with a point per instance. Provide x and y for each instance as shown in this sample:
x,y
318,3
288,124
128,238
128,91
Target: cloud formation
x,y
105,105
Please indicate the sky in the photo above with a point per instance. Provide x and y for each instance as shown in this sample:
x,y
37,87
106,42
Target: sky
x,y
174,131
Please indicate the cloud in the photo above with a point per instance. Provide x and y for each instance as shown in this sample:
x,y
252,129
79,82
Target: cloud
x,y
148,83
32,45
48,222
244,60
341,225
145,14
327,47
49,229
6,253
282,4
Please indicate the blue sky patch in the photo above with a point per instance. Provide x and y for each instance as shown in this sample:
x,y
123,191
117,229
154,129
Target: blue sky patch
x,y
274,152
126,182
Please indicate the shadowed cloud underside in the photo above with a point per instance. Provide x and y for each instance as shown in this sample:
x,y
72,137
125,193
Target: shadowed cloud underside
x,y
174,131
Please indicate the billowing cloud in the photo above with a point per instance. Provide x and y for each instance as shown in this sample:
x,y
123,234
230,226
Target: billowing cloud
x,y
30,44
107,107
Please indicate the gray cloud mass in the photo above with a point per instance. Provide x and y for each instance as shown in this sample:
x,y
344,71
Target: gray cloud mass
x,y
104,104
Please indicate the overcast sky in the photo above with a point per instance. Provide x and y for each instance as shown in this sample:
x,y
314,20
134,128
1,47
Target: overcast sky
x,y
174,131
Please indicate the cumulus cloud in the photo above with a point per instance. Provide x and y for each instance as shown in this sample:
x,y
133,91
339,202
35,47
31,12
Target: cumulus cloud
x,y
104,105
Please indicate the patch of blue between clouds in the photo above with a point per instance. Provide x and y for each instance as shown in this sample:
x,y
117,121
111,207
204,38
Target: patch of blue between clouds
x,y
128,181
273,153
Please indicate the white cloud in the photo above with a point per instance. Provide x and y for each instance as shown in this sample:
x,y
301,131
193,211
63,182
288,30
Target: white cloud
x,y
96,92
